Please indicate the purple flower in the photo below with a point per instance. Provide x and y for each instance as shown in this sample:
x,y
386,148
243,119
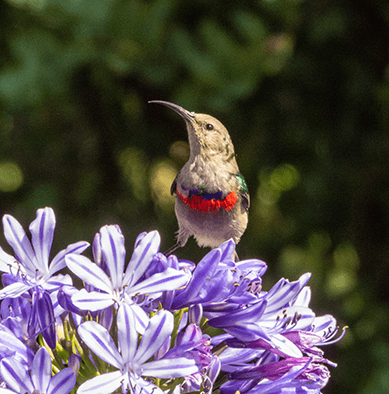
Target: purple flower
x,y
220,284
30,267
265,321
13,347
39,380
292,375
130,360
15,314
122,286
30,271
168,319
198,345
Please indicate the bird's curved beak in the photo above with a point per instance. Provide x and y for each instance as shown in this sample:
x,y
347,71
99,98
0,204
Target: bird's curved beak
x,y
186,115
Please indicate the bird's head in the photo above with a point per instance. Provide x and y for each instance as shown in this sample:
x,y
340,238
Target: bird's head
x,y
207,136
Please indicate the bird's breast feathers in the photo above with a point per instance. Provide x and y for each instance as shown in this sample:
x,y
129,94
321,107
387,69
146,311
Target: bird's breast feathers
x,y
199,200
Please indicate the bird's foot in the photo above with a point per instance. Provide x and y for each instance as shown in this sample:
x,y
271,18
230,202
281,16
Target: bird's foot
x,y
168,252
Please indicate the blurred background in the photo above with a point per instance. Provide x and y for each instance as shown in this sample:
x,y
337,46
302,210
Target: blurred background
x,y
303,88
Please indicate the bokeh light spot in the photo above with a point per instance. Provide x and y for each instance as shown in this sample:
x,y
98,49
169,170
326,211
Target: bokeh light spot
x,y
162,176
133,163
11,177
284,177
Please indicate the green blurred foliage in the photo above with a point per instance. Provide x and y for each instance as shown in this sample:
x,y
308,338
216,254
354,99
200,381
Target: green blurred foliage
x,y
302,86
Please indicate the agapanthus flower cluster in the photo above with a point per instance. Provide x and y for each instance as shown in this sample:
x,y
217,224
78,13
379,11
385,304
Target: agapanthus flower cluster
x,y
148,323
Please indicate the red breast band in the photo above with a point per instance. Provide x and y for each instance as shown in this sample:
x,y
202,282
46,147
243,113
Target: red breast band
x,y
199,204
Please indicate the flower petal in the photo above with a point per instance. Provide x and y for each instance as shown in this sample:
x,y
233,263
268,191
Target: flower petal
x,y
279,296
7,262
42,233
251,314
324,323
15,375
62,382
304,297
45,314
227,248
170,279
143,254
205,269
92,301
102,384
58,261
128,337
17,238
114,252
97,338
41,370
141,318
159,328
22,351
288,348
89,272
56,282
14,290
171,368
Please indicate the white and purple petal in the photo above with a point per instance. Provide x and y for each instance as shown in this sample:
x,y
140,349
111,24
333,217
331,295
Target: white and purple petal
x,y
56,282
92,301
59,262
142,256
15,290
8,263
89,272
15,375
103,384
22,352
280,296
304,297
62,382
114,252
160,327
171,368
41,370
42,233
127,334
141,317
18,240
170,279
97,338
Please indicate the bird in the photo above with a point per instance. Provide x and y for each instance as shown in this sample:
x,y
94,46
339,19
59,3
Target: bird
x,y
211,195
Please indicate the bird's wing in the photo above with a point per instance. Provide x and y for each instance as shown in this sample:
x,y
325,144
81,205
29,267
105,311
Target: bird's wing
x,y
243,191
174,185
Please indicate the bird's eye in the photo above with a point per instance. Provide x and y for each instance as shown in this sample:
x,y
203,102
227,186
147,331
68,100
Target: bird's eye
x,y
209,126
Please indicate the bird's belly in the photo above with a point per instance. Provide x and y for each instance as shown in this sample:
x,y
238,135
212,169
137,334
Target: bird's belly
x,y
211,228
